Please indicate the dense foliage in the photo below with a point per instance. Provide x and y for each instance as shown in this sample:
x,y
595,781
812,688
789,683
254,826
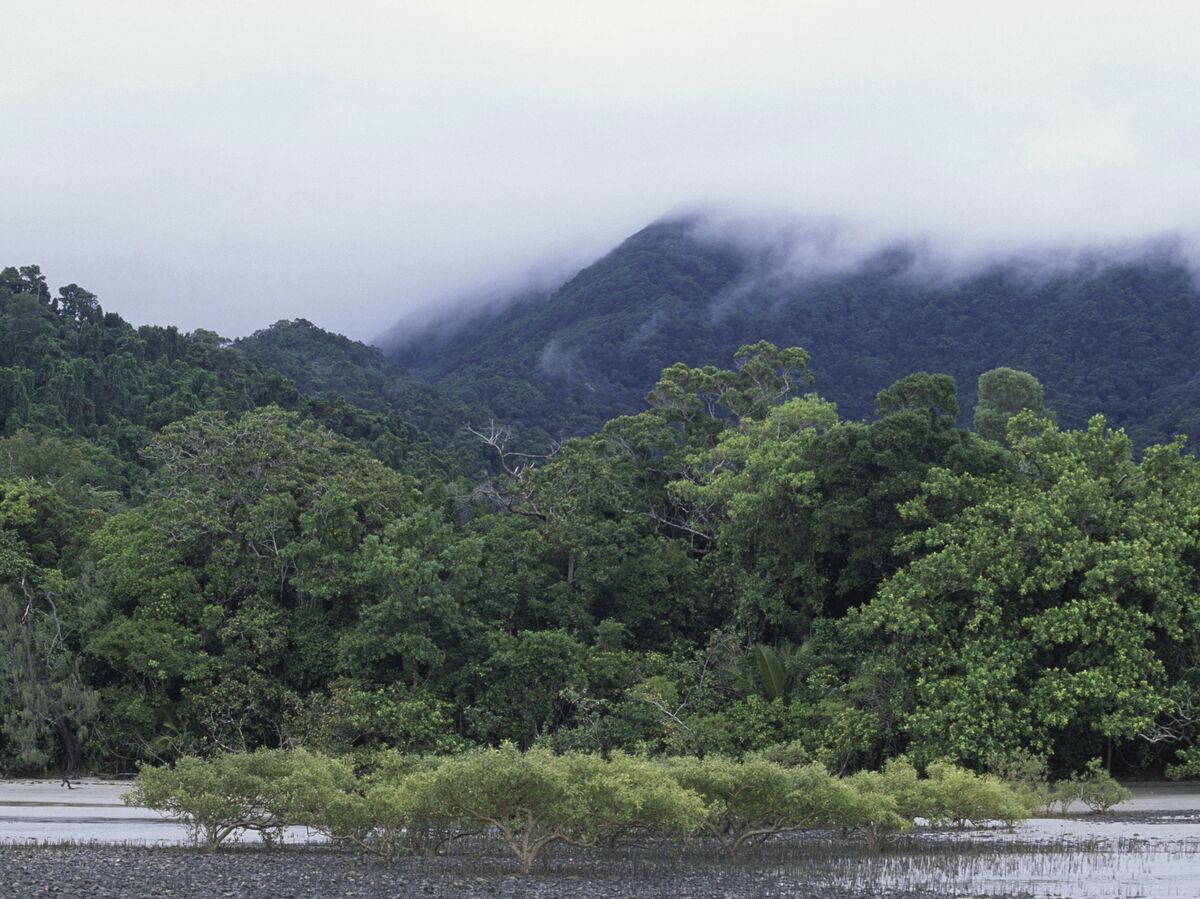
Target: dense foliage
x,y
196,558
69,367
337,368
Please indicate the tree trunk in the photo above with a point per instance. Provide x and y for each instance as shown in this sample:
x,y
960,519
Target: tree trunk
x,y
72,747
527,859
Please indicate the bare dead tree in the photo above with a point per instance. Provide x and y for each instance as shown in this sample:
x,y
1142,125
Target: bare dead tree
x,y
514,495
498,437
1176,724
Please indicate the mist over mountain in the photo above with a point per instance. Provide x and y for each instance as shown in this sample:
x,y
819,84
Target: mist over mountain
x,y
1110,331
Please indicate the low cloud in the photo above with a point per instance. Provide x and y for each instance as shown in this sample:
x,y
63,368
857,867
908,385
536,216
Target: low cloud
x,y
229,166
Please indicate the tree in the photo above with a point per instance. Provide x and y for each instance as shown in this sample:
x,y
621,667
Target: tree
x,y
921,392
530,680
1003,393
49,707
748,801
220,796
413,577
535,799
222,595
758,482
1030,613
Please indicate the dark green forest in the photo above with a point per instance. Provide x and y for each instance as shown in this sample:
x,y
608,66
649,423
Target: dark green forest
x,y
295,541
1121,336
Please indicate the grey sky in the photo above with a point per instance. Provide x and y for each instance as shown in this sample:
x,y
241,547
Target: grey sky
x,y
224,165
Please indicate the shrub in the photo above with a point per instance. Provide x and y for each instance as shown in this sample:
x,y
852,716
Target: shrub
x,y
790,755
872,813
404,788
1098,789
388,811
747,802
1064,793
219,796
1094,787
961,797
1026,774
626,796
883,803
324,794
536,799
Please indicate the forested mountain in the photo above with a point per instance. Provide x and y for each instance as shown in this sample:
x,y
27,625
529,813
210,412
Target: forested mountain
x,y
1118,337
318,361
322,363
69,367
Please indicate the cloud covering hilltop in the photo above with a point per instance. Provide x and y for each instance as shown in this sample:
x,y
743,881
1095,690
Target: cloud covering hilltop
x,y
228,166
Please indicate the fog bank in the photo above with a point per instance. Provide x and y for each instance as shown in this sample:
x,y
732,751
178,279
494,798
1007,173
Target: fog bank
x,y
227,165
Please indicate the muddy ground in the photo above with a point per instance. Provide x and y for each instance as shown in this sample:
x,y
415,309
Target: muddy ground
x,y
84,842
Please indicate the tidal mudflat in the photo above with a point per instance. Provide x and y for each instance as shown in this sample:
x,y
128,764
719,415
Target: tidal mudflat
x,y
85,842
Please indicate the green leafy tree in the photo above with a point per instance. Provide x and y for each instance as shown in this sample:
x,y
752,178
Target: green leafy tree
x,y
758,483
751,800
218,797
1004,393
535,800
48,705
1031,612
530,679
221,592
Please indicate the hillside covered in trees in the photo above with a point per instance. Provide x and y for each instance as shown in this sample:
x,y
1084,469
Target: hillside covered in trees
x,y
198,553
1119,336
69,367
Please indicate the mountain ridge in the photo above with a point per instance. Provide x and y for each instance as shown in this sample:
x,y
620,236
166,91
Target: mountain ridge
x,y
1109,335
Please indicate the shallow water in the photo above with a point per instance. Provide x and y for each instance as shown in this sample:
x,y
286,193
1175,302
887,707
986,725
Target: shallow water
x,y
92,811
1078,863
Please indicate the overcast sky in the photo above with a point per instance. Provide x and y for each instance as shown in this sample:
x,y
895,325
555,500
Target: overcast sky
x,y
224,165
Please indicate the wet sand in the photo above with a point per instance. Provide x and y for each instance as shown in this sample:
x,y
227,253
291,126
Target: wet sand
x,y
39,811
